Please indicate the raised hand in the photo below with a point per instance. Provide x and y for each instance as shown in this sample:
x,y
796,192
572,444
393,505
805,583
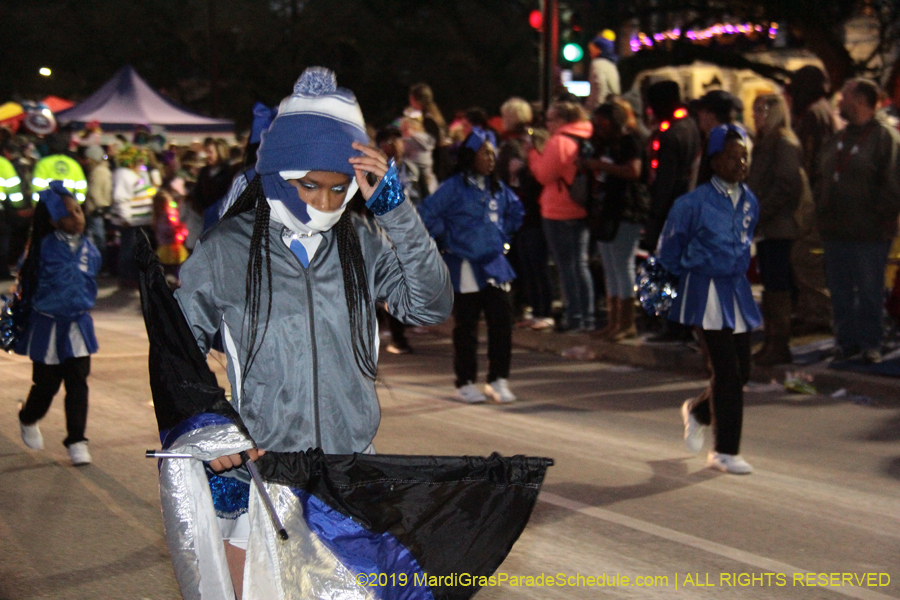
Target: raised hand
x,y
374,162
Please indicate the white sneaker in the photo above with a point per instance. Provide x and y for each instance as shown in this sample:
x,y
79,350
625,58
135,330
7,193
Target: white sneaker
x,y
542,324
693,430
728,463
498,391
31,435
470,394
393,348
79,454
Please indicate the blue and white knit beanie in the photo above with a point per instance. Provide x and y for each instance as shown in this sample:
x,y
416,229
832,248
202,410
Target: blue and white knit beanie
x,y
313,131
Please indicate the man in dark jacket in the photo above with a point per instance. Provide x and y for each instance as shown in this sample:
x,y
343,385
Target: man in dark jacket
x,y
857,204
675,149
714,108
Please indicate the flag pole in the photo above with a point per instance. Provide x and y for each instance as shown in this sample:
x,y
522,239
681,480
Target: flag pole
x,y
254,475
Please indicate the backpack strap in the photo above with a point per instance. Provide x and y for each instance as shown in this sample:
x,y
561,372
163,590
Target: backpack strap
x,y
580,141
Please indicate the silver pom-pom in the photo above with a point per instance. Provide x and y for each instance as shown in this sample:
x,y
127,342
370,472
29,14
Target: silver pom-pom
x,y
656,287
316,81
11,323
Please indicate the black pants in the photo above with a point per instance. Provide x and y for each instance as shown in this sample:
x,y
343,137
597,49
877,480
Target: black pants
x,y
467,308
729,354
774,262
532,270
47,379
398,332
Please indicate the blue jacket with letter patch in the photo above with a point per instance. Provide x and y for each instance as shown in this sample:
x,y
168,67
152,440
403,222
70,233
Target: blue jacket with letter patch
x,y
706,238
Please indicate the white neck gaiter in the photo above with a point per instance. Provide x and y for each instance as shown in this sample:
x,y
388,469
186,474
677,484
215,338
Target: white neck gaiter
x,y
318,221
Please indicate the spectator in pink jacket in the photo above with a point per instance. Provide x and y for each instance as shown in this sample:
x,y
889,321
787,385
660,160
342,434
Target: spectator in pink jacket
x,y
564,220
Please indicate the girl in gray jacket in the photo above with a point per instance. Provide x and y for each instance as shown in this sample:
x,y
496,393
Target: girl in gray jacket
x,y
290,279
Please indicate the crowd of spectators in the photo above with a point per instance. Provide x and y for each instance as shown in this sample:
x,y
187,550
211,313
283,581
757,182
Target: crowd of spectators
x,y
595,188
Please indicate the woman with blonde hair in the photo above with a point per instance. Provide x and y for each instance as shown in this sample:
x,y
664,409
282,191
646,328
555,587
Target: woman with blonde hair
x,y
779,181
516,114
530,243
423,108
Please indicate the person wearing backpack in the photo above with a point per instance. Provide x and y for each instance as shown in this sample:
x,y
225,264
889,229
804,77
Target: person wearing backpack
x,y
564,219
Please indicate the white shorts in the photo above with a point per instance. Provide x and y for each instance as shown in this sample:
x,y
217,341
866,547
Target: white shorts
x,y
237,531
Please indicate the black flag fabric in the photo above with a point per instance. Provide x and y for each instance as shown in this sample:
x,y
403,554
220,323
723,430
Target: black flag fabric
x,y
360,526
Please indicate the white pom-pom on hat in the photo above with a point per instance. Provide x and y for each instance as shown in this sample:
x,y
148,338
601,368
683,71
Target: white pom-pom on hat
x,y
316,81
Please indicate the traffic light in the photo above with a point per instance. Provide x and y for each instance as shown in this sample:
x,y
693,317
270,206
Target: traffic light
x,y
570,34
572,52
536,20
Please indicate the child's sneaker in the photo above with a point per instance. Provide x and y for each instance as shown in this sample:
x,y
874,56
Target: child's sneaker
x,y
79,454
498,391
31,435
470,394
728,463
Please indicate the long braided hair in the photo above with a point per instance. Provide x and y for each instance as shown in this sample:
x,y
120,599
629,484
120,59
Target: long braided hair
x,y
41,227
353,269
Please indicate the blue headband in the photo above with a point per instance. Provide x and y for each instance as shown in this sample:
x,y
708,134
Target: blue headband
x,y
717,137
478,137
52,199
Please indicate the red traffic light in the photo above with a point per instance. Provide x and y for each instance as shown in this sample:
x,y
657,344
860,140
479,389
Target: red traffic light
x,y
536,19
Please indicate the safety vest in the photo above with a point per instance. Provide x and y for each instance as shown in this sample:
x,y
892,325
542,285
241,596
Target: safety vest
x,y
59,166
10,184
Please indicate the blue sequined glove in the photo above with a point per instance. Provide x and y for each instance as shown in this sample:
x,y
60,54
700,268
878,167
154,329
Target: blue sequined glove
x,y
389,193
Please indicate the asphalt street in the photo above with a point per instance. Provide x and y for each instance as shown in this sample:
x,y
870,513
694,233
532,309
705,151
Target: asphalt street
x,y
624,504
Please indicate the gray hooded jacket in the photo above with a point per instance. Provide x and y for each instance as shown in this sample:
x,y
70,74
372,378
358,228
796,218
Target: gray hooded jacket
x,y
304,389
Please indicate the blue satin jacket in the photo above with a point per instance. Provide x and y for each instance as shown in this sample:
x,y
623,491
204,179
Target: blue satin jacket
x,y
472,224
66,291
706,238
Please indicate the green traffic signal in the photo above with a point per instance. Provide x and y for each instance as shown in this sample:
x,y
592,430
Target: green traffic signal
x,y
572,52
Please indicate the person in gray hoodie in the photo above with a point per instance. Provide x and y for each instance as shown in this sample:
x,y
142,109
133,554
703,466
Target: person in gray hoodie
x,y
272,274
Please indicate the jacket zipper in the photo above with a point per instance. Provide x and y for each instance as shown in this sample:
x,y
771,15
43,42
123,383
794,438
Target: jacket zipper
x,y
315,361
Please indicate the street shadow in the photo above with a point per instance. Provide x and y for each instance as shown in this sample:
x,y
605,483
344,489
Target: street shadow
x,y
544,407
888,431
893,468
60,585
120,299
667,476
124,497
32,467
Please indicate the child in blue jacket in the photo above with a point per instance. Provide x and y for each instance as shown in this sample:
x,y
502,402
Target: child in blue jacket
x,y
706,243
471,217
58,287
